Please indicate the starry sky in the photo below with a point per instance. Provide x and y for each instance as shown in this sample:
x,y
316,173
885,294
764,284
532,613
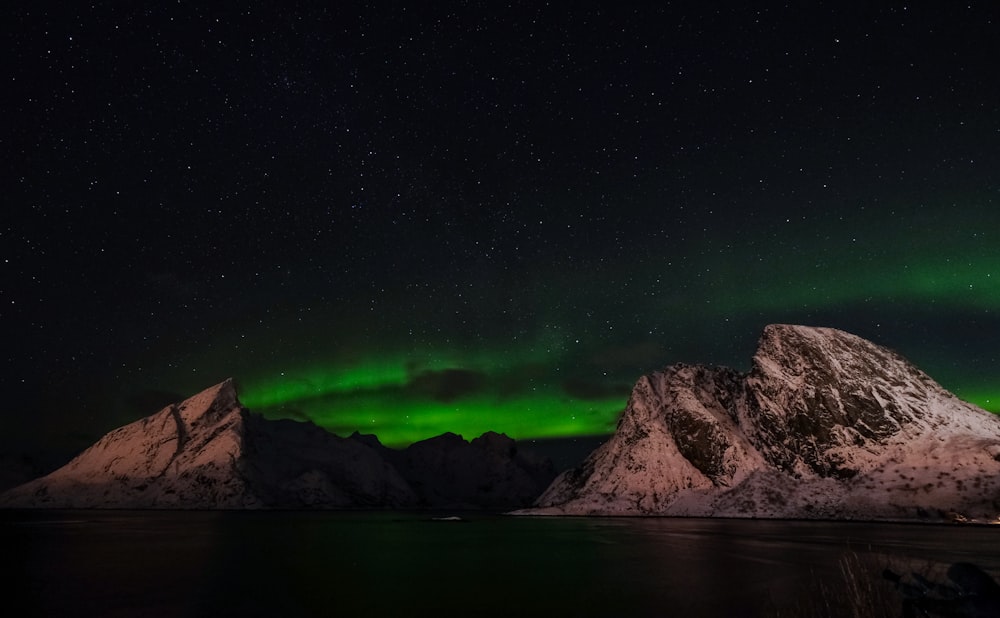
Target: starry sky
x,y
406,220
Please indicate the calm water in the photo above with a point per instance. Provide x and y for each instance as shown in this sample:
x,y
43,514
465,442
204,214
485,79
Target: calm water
x,y
402,564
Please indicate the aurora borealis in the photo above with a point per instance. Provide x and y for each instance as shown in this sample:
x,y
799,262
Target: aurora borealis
x,y
567,378
405,221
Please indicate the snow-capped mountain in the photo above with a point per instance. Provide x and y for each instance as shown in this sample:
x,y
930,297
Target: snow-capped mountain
x,y
209,452
824,425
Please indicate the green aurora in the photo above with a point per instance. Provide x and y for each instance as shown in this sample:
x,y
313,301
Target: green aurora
x,y
554,353
559,386
389,399
400,411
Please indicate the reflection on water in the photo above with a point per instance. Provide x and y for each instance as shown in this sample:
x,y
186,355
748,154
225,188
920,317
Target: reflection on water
x,y
383,564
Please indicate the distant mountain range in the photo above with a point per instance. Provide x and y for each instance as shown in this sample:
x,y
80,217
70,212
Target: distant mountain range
x,y
824,425
209,452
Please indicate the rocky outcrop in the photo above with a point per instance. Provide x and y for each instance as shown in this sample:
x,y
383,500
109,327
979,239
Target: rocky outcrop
x,y
825,424
209,452
488,472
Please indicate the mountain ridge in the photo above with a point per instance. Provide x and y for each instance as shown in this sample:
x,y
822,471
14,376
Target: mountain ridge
x,y
824,425
210,452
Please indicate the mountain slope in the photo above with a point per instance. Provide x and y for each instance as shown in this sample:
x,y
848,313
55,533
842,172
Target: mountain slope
x,y
488,471
209,452
825,424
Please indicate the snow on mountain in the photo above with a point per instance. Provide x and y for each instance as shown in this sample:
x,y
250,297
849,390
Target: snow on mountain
x,y
825,425
209,452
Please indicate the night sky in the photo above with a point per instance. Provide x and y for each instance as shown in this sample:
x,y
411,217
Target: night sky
x,y
410,220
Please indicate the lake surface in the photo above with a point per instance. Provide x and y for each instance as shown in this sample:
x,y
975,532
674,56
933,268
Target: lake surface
x,y
124,563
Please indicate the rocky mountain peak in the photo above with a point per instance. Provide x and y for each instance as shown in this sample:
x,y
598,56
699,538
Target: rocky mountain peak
x,y
211,404
823,420
814,394
797,355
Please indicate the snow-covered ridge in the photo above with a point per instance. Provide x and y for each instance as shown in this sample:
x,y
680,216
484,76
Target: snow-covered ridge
x,y
209,452
825,424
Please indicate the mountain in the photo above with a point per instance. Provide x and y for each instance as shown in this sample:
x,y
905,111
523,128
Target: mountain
x,y
209,452
448,471
824,425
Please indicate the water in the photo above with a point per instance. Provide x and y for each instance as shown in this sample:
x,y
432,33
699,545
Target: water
x,y
121,563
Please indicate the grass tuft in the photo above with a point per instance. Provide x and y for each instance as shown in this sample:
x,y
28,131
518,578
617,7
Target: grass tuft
x,y
860,589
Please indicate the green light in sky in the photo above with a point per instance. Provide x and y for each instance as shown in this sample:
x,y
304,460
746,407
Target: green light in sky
x,y
398,416
403,398
817,283
374,372
318,381
400,405
512,377
987,400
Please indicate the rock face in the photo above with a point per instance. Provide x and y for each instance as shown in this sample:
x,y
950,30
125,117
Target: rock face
x,y
209,452
491,470
825,425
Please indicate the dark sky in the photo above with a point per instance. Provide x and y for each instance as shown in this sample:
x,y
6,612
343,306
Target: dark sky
x,y
407,220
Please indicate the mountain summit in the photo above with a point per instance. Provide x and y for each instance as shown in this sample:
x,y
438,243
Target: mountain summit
x,y
824,425
209,452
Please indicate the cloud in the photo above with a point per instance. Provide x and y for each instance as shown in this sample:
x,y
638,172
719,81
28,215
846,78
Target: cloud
x,y
297,414
447,385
